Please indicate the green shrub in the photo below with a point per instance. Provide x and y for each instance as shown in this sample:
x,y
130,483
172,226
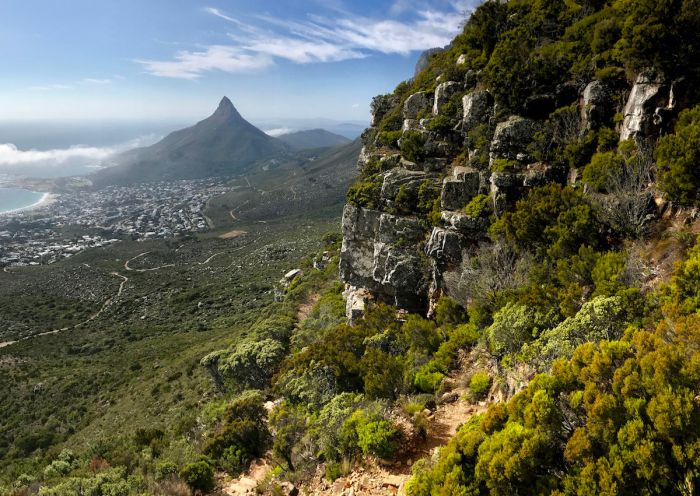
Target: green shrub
x,y
389,138
375,435
677,156
365,193
479,206
427,380
412,145
441,124
603,166
199,476
479,385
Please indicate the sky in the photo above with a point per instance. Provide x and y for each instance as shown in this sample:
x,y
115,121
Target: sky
x,y
173,60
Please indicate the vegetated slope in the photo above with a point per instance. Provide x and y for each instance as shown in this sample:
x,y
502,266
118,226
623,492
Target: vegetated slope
x,y
224,144
515,205
313,138
304,183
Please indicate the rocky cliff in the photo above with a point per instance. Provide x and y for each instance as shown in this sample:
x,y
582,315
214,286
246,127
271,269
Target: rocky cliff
x,y
476,160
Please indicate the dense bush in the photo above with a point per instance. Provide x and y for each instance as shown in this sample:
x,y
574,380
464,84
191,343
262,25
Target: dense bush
x,y
199,475
677,156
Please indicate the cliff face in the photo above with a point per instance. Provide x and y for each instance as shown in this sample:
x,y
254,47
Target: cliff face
x,y
478,166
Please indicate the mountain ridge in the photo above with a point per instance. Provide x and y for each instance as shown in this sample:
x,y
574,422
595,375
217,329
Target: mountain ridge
x,y
222,144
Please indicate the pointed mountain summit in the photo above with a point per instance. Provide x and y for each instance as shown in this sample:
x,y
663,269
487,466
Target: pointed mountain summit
x,y
223,144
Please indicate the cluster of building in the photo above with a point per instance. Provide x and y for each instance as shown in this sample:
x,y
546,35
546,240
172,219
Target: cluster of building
x,y
43,246
138,212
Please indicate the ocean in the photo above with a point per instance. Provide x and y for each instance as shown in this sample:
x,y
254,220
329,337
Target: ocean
x,y
15,199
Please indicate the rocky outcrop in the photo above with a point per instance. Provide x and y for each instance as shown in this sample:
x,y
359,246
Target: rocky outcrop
x,y
409,253
477,107
443,93
416,104
596,105
512,137
382,254
460,188
649,96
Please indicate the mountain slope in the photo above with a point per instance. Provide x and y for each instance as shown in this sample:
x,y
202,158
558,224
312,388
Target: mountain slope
x,y
223,144
313,138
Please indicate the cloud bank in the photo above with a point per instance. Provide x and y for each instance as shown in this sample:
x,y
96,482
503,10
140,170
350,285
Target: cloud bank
x,y
26,162
259,42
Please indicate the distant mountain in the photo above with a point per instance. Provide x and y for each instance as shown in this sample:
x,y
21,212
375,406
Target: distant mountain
x,y
223,144
313,138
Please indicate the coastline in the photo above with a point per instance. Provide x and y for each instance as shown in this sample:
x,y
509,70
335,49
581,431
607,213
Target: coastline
x,y
45,200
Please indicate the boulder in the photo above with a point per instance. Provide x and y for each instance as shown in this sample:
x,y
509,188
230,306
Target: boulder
x,y
459,189
444,246
596,105
359,226
398,177
416,104
410,125
443,93
512,137
472,228
477,109
649,95
355,302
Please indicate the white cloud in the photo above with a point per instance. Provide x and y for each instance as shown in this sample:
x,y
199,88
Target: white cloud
x,y
12,157
191,65
279,131
318,39
97,81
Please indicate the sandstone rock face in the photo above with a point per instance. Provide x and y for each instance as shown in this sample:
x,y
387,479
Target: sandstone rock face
x,y
596,105
477,107
512,137
459,189
359,227
473,228
444,246
443,93
381,254
415,104
398,177
649,95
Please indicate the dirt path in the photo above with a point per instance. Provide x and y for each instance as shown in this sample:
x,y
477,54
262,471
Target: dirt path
x,y
126,264
246,484
208,260
391,480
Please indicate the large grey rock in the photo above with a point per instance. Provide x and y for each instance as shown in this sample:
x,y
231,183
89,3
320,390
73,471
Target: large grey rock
x,y
596,105
359,226
416,104
444,246
397,229
443,93
472,228
478,108
512,137
398,177
459,189
355,302
649,93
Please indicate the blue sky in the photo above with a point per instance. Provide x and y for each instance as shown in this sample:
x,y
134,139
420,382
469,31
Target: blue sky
x,y
174,59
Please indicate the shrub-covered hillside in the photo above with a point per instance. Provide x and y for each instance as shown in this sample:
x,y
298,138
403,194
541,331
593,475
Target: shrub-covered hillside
x,y
522,239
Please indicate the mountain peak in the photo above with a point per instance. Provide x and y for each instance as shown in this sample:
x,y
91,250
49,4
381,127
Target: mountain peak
x,y
226,109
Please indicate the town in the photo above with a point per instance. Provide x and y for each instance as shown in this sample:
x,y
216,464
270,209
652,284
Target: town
x,y
74,222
